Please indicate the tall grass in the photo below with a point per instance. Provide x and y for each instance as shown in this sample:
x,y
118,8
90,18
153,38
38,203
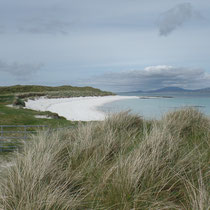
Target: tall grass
x,y
123,162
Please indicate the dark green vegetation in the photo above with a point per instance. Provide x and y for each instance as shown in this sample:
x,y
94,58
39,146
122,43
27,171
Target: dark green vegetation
x,y
18,102
25,91
121,163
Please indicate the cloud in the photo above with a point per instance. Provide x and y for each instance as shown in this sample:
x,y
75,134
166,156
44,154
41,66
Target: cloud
x,y
20,71
175,17
2,29
153,77
46,26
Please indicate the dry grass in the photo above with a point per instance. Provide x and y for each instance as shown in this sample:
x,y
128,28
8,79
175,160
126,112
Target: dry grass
x,y
121,163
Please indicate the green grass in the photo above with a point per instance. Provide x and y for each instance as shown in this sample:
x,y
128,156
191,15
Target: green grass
x,y
6,99
12,116
21,89
121,163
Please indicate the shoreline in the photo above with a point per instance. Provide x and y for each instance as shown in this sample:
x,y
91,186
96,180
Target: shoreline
x,y
77,108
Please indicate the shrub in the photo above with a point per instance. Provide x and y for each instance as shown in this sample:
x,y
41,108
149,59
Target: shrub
x,y
54,115
18,102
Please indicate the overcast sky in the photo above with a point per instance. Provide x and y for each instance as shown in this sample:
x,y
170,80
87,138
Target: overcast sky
x,y
117,45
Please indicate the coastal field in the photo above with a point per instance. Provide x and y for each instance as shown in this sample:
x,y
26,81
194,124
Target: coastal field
x,y
13,110
123,162
49,91
17,115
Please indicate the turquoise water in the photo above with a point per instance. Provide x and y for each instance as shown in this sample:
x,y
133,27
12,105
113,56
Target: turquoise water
x,y
154,108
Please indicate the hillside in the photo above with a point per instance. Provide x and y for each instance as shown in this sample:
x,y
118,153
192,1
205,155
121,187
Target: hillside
x,y
41,89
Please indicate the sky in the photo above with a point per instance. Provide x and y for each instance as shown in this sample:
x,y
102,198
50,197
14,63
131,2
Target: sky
x,y
115,45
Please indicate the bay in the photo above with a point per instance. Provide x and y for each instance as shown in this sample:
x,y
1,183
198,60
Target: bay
x,y
154,106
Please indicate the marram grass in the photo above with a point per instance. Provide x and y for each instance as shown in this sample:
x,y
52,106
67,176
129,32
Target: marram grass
x,y
123,163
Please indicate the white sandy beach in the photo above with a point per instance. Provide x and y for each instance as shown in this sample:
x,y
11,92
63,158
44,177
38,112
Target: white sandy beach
x,y
75,109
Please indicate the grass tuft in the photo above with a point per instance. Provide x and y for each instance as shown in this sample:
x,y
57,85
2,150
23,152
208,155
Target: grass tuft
x,y
123,162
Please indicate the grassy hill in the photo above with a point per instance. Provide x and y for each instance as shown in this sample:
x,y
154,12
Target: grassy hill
x,y
36,88
26,91
121,163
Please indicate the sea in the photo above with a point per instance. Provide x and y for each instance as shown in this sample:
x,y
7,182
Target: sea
x,y
154,106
